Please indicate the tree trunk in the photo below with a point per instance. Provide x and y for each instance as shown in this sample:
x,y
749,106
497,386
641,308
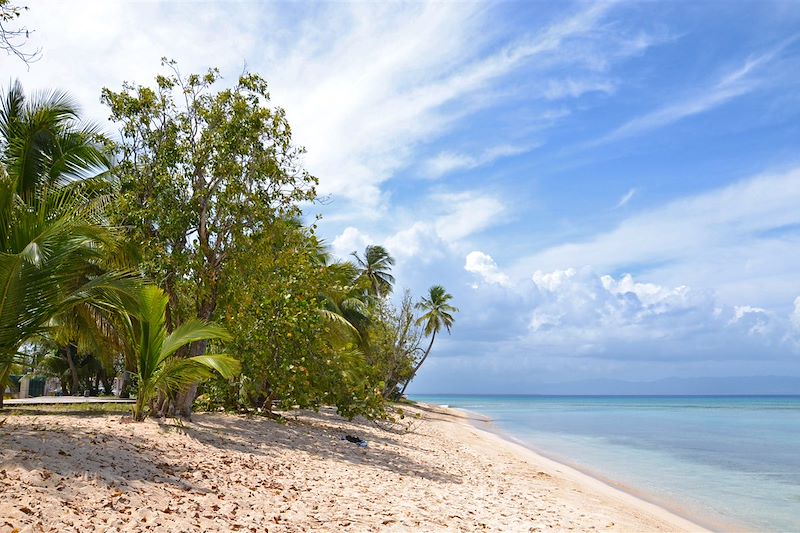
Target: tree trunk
x,y
417,367
185,399
73,370
125,385
3,382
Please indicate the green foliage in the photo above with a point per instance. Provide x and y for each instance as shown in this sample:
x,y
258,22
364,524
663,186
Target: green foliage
x,y
394,339
209,189
52,231
157,368
375,267
201,171
288,348
438,314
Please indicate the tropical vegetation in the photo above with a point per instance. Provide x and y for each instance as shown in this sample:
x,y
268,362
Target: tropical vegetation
x,y
174,258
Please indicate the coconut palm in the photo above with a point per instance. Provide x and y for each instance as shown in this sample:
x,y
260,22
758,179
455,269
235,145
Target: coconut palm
x,y
345,303
438,314
375,267
44,146
158,367
40,252
51,176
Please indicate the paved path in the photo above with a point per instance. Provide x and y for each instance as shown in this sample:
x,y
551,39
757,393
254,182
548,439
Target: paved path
x,y
60,400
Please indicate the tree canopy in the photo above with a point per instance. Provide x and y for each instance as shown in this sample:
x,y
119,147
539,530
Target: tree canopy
x,y
150,257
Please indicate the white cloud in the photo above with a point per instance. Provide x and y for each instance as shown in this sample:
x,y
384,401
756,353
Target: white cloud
x,y
729,238
627,197
349,241
389,83
466,213
447,162
795,317
730,85
755,319
602,306
363,84
105,43
483,265
571,88
411,241
450,218
579,310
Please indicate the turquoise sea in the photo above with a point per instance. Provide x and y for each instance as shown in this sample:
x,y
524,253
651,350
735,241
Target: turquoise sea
x,y
725,462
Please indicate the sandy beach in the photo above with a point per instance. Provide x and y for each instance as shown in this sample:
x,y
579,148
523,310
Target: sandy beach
x,y
231,473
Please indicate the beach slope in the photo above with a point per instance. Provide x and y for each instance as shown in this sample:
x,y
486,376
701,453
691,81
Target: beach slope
x,y
230,473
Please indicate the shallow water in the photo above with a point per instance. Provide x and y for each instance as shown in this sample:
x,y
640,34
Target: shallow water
x,y
719,460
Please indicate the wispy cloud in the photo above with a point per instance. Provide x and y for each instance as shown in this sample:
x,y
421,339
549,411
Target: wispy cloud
x,y
395,81
447,162
732,84
720,239
574,88
627,197
364,85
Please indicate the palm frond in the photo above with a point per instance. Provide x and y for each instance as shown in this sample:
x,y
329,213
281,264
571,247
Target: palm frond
x,y
193,330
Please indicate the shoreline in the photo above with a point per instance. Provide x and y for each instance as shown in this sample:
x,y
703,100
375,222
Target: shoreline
x,y
435,471
591,480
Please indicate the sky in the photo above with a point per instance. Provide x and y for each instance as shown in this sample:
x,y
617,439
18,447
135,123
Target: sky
x,y
609,190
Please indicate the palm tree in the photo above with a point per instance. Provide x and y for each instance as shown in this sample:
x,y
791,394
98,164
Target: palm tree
x,y
44,146
344,304
158,368
41,249
52,173
438,313
375,267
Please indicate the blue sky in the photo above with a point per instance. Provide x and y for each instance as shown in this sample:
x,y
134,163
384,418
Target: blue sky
x,y
609,190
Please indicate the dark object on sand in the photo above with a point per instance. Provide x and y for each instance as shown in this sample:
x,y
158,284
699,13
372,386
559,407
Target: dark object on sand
x,y
355,440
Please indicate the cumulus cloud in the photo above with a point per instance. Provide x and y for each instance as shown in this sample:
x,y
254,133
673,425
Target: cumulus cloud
x,y
349,241
484,266
579,311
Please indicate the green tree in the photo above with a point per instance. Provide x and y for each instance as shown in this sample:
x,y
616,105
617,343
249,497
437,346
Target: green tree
x,y
375,267
345,302
52,199
158,369
201,171
394,342
438,313
291,348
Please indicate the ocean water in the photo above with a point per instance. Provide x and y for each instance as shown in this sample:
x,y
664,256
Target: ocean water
x,y
726,462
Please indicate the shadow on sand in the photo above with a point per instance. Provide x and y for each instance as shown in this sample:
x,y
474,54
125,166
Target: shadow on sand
x,y
119,452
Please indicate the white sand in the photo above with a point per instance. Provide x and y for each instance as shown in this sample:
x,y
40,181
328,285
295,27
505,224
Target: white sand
x,y
229,473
